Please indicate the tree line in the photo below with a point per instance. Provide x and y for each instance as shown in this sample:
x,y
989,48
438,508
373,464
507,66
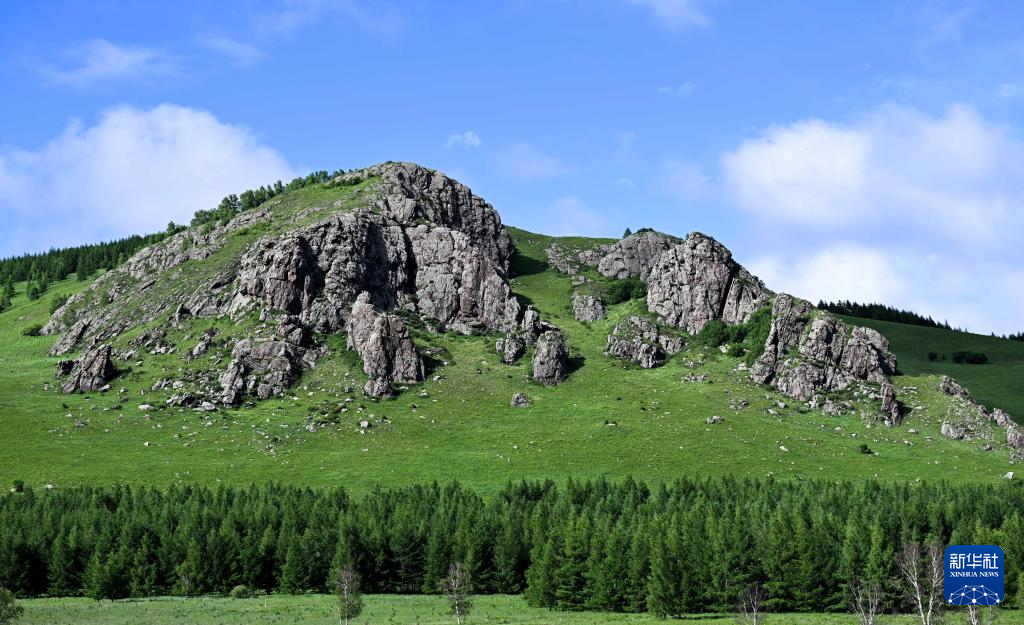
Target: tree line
x,y
882,312
690,546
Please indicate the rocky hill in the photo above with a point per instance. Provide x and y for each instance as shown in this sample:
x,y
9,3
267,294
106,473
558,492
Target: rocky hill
x,y
389,255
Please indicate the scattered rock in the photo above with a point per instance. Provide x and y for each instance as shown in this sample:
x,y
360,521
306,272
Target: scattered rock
x,y
693,377
714,419
949,386
145,407
519,401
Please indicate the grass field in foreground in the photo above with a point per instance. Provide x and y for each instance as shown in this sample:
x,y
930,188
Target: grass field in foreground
x,y
997,384
379,610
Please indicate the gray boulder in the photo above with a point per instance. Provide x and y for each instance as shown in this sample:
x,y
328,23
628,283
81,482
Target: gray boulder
x,y
698,281
635,255
1015,440
511,347
519,401
587,307
263,368
551,359
891,411
949,386
90,372
384,344
638,339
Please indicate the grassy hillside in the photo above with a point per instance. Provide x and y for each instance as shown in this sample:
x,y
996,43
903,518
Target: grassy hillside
x,y
380,610
1000,383
609,418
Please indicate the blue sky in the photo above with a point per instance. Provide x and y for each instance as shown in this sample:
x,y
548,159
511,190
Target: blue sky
x,y
863,150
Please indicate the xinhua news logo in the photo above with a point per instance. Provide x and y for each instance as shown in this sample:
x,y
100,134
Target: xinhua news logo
x,y
974,575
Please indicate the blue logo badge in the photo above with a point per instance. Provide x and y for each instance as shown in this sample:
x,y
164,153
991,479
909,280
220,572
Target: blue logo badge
x,y
974,575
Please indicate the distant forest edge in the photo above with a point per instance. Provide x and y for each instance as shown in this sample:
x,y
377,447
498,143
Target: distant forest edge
x,y
40,269
619,546
881,312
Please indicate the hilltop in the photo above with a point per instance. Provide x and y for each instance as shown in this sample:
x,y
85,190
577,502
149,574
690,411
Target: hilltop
x,y
383,326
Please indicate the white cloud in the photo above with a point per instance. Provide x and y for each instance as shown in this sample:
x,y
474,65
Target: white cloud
x,y
682,181
525,162
98,60
684,89
241,54
956,175
467,139
131,172
625,183
840,272
675,14
569,216
377,17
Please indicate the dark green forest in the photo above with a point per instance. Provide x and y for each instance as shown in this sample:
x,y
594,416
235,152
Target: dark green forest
x,y
687,547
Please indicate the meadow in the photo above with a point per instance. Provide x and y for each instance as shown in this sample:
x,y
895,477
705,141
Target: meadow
x,y
609,418
382,610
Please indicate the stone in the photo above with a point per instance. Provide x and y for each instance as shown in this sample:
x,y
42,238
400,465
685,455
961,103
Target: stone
x,y
1009,475
511,347
519,401
145,407
698,281
714,419
551,359
949,386
293,331
638,339
636,255
1015,440
89,372
587,307
384,344
263,368
891,412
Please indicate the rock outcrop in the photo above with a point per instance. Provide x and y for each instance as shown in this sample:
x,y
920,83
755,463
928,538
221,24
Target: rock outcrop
x,y
384,344
551,359
638,339
587,307
810,351
949,386
90,372
263,369
892,412
698,281
636,255
966,419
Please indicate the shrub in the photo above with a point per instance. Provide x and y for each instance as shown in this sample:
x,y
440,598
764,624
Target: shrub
x,y
624,290
241,591
18,486
9,608
57,302
864,449
932,356
713,334
736,350
33,330
969,358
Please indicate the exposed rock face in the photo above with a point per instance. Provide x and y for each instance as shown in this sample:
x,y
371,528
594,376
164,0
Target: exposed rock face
x,y
638,339
89,373
697,281
291,329
263,369
830,355
966,419
570,261
587,307
551,360
204,343
1015,440
635,255
384,344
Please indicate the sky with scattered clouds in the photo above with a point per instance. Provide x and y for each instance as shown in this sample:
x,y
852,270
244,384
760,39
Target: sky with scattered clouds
x,y
858,150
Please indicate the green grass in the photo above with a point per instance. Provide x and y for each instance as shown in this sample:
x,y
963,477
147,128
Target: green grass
x,y
379,610
609,419
999,384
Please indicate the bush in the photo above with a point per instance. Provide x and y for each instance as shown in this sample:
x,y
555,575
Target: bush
x,y
758,327
624,290
932,356
713,334
864,449
33,330
736,350
18,486
969,358
241,591
9,608
57,302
